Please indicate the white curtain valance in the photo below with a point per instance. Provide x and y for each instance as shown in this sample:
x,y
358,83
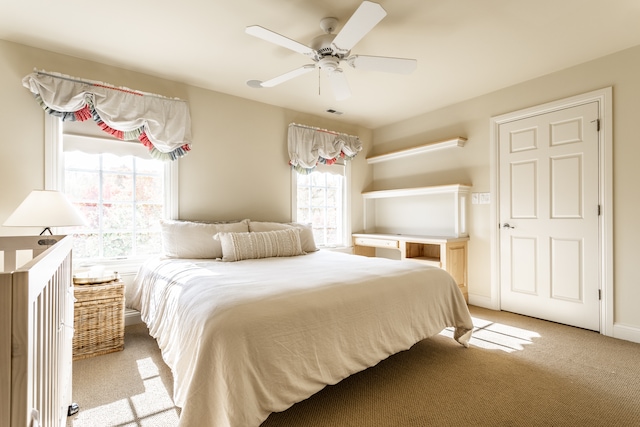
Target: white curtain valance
x,y
309,146
162,124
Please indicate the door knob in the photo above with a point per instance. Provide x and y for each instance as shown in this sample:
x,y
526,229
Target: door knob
x,y
507,225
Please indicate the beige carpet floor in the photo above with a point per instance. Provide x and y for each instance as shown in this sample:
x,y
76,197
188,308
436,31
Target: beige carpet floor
x,y
518,371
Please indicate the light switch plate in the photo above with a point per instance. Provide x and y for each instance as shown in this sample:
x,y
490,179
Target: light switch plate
x,y
480,198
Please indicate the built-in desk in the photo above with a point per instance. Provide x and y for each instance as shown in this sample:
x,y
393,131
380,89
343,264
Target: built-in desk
x,y
448,253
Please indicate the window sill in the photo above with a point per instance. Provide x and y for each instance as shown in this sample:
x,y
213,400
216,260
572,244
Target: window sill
x,y
122,266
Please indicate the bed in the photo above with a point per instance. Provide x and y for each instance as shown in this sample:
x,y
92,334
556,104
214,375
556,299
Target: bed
x,y
247,338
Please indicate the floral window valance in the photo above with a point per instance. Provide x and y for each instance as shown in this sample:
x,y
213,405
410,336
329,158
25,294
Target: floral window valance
x,y
309,146
162,124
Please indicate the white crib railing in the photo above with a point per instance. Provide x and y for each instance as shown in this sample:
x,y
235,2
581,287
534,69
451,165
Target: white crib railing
x,y
36,331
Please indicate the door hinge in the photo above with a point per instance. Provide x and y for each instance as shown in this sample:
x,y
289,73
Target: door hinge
x,y
599,211
597,124
599,294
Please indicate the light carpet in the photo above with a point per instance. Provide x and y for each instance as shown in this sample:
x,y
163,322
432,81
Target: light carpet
x,y
518,371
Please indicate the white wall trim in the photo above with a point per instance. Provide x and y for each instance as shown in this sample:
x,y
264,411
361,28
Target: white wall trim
x,y
626,332
131,317
52,152
604,99
482,301
171,194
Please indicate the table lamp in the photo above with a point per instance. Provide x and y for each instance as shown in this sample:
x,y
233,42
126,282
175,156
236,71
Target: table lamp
x,y
45,208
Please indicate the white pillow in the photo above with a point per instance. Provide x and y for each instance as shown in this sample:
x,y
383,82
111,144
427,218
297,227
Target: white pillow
x,y
188,239
262,244
306,232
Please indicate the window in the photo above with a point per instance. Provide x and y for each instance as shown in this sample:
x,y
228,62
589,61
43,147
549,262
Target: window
x,y
121,191
320,199
122,199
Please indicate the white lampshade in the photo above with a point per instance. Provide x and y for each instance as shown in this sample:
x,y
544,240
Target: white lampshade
x,y
44,208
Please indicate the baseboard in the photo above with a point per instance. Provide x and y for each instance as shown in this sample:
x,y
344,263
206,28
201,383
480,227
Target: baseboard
x,y
620,331
482,301
131,317
626,332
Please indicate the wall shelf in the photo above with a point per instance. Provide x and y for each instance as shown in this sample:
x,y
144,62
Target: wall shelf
x,y
409,224
449,143
439,210
417,191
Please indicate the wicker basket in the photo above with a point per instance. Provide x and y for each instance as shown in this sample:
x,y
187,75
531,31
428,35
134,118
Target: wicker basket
x,y
98,319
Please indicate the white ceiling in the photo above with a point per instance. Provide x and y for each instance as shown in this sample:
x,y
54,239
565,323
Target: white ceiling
x,y
464,48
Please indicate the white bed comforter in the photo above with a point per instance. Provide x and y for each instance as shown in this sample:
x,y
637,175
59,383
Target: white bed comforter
x,y
244,339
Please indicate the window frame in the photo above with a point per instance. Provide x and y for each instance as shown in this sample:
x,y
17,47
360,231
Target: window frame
x,y
346,202
54,178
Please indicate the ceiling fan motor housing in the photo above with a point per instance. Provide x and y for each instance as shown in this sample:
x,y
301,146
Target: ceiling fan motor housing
x,y
323,45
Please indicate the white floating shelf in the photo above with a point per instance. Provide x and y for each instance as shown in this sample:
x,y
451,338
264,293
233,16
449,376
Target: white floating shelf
x,y
417,191
455,142
448,218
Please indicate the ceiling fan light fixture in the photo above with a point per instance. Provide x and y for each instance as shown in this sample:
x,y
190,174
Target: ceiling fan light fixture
x,y
339,85
329,64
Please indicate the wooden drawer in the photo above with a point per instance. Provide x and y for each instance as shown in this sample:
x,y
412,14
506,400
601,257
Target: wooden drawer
x,y
378,243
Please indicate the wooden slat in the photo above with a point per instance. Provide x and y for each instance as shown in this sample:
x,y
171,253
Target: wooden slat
x,y
22,358
5,349
37,301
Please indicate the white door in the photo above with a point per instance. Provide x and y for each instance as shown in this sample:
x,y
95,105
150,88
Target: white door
x,y
548,186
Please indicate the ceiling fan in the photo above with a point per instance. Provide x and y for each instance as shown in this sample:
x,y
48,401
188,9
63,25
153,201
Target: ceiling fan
x,y
328,51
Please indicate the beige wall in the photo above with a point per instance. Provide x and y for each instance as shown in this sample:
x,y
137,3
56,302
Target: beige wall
x,y
471,164
237,168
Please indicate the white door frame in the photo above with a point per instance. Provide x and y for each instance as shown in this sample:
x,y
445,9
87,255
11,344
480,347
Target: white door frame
x,y
605,197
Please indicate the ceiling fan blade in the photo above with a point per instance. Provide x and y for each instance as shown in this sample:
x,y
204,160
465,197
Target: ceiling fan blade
x,y
361,22
275,38
288,76
339,85
383,63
